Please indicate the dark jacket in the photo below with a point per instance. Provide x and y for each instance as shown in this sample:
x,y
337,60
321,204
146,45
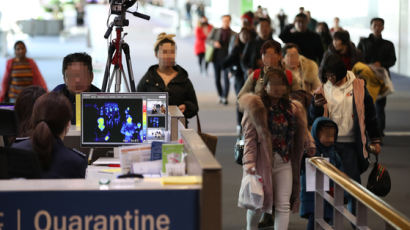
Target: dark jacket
x,y
233,60
380,50
309,42
216,35
62,88
353,55
180,89
252,53
307,198
65,163
364,125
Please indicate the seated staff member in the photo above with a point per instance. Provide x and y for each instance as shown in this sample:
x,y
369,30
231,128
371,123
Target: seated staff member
x,y
166,76
24,108
78,75
51,122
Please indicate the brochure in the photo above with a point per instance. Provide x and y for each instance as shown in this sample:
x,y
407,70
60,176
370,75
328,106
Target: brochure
x,y
171,154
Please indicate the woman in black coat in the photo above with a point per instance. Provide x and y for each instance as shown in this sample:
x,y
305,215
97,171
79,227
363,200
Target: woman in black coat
x,y
166,76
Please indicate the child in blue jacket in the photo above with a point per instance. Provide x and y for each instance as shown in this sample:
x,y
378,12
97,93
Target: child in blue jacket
x,y
324,131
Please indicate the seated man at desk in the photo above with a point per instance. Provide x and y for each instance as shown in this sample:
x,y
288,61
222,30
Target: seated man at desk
x,y
77,75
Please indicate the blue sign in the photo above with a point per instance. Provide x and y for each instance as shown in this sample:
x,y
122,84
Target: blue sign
x,y
92,210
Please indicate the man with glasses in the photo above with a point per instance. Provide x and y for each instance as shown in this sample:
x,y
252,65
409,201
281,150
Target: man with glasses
x,y
77,75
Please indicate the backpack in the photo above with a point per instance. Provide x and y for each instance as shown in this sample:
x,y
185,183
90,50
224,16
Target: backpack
x,y
257,74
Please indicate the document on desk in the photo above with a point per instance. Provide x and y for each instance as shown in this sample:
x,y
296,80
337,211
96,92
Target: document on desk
x,y
311,177
132,154
147,167
104,161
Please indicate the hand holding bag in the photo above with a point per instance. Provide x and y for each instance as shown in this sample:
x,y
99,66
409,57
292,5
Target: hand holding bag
x,y
210,140
251,192
379,181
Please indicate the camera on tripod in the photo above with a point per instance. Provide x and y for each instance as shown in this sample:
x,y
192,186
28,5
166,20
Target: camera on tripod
x,y
118,46
119,7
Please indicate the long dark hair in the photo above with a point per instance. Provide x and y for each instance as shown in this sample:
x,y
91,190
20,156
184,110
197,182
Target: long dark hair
x,y
51,114
24,108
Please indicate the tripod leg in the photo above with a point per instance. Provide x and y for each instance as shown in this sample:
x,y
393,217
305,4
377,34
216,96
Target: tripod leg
x,y
126,50
112,78
111,50
125,80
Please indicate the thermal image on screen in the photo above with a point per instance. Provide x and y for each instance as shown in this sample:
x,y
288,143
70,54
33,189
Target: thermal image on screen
x,y
115,121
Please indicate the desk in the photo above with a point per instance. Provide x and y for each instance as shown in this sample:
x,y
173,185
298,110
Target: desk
x,y
85,204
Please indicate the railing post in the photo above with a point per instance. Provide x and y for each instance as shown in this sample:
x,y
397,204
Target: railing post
x,y
361,214
338,207
319,199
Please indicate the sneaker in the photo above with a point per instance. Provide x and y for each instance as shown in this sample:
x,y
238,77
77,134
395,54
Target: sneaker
x,y
224,101
267,222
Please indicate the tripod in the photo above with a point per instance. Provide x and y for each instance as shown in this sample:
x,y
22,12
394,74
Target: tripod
x,y
118,45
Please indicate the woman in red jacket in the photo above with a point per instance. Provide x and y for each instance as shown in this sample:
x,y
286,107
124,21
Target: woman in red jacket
x,y
21,72
201,33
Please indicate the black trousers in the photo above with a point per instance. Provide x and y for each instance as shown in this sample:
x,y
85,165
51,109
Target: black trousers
x,y
222,92
203,65
239,82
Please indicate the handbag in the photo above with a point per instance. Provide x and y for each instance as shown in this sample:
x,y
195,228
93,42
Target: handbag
x,y
209,52
379,181
210,140
238,151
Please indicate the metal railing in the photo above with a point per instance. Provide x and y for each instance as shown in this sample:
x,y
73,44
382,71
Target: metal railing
x,y
365,200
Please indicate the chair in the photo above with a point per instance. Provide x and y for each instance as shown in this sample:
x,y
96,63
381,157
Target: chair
x,y
8,124
19,163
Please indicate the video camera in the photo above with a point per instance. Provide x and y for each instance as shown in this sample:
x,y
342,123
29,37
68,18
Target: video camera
x,y
119,7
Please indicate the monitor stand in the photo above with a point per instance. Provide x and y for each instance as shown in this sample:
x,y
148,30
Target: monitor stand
x,y
90,155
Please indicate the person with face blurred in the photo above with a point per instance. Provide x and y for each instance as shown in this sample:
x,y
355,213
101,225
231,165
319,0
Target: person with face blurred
x,y
252,58
275,129
345,100
343,47
233,61
379,52
308,41
166,76
78,76
323,30
304,71
20,73
336,26
324,131
271,56
221,39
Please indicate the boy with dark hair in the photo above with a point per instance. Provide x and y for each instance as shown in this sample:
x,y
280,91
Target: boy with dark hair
x,y
77,75
324,131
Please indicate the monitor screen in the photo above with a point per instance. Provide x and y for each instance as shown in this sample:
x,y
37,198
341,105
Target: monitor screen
x,y
115,119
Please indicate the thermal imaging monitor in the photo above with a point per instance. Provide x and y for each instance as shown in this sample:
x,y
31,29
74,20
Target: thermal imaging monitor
x,y
115,119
